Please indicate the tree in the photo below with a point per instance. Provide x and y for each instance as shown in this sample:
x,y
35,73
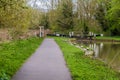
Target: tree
x,y
101,12
18,17
14,15
114,17
36,18
85,12
45,21
85,29
65,19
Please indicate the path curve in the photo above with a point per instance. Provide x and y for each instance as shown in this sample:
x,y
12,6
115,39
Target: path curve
x,y
47,63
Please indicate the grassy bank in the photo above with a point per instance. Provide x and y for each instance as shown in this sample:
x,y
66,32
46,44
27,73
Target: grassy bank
x,y
14,54
84,68
109,38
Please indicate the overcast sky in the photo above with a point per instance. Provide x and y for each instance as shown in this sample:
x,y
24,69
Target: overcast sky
x,y
40,3
43,4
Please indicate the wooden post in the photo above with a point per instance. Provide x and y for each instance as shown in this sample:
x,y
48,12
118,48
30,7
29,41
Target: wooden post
x,y
41,31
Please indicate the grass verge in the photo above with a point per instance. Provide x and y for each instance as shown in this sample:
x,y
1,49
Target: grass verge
x,y
109,38
14,54
82,67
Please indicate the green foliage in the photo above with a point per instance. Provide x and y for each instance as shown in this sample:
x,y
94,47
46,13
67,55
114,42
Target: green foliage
x,y
3,76
14,15
85,29
114,17
65,19
45,21
17,16
14,54
101,13
36,18
53,16
64,16
84,68
108,17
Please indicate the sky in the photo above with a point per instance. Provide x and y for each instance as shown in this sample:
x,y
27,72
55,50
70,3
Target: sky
x,y
42,4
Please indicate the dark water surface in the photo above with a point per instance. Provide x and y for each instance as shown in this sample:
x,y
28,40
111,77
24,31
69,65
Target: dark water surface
x,y
108,52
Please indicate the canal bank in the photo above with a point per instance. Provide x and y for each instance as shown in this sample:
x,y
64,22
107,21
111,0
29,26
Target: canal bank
x,y
100,39
82,67
107,52
108,39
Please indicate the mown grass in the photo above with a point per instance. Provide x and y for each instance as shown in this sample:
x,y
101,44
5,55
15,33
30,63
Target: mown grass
x,y
14,54
109,38
82,67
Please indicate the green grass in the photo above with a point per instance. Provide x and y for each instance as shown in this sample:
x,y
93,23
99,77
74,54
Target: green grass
x,y
109,38
14,54
84,68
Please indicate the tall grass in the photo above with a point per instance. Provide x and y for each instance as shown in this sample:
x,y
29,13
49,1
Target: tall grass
x,y
14,54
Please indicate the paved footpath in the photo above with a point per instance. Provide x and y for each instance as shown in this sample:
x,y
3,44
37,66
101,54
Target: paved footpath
x,y
47,63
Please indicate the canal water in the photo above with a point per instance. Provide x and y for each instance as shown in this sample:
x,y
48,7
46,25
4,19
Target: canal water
x,y
108,52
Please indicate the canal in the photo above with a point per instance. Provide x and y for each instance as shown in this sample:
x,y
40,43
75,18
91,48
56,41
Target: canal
x,y
107,52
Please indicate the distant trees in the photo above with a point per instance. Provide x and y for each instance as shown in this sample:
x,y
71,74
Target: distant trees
x,y
82,16
65,16
36,18
114,17
45,21
101,12
17,16
62,15
108,16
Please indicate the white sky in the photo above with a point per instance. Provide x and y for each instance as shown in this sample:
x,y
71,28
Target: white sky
x,y
42,4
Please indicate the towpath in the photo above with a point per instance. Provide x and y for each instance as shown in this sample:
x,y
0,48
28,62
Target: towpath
x,y
47,63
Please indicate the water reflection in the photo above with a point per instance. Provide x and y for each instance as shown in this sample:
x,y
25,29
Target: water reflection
x,y
107,52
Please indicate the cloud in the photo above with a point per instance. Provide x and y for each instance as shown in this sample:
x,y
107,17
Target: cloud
x,y
41,4
44,4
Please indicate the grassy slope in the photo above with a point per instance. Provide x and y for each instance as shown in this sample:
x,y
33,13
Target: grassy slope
x,y
109,38
14,54
84,68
